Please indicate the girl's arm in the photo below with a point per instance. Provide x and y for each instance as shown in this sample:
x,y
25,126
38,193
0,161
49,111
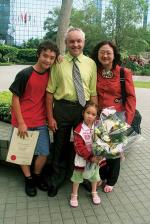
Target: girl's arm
x,y
82,151
81,148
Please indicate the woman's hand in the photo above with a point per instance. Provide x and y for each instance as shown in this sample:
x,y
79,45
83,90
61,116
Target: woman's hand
x,y
96,159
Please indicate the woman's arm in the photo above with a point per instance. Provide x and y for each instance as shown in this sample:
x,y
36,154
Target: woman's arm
x,y
130,104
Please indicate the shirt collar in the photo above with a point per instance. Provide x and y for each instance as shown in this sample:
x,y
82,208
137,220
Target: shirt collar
x,y
85,127
70,57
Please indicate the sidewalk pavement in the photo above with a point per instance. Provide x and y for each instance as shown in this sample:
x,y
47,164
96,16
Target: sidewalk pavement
x,y
8,73
129,203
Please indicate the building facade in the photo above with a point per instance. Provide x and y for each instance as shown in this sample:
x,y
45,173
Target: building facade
x,y
21,20
4,21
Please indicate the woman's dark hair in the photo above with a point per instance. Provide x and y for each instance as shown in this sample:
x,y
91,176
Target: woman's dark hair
x,y
47,45
117,57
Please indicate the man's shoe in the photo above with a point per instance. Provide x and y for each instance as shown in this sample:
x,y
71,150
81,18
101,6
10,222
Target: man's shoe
x,y
52,191
30,188
40,182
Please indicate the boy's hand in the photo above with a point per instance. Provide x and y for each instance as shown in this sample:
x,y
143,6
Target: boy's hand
x,y
52,124
60,58
22,130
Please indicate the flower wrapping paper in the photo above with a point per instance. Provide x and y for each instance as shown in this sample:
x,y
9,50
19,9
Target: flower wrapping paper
x,y
111,134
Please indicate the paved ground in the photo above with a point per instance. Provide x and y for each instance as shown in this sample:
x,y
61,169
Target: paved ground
x,y
129,203
7,75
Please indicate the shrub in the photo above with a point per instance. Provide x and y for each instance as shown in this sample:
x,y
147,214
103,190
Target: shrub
x,y
5,114
145,70
8,53
137,68
133,66
27,55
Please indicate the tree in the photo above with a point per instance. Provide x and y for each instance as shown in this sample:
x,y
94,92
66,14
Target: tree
x,y
138,41
31,43
51,24
63,23
121,16
87,19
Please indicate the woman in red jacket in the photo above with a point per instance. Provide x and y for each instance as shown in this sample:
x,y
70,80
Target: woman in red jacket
x,y
107,59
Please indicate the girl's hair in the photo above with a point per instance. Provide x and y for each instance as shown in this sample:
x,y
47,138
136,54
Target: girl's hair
x,y
90,104
117,57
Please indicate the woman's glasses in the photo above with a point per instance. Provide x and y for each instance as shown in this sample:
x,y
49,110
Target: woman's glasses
x,y
108,53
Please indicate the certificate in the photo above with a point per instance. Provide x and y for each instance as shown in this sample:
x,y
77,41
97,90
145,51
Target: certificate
x,y
21,150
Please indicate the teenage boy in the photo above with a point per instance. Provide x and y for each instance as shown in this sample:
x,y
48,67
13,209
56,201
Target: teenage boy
x,y
29,111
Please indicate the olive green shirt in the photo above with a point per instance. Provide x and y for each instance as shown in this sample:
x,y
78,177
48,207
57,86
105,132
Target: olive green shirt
x,y
61,82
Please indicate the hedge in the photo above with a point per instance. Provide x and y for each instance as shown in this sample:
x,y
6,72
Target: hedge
x,y
27,55
8,53
5,106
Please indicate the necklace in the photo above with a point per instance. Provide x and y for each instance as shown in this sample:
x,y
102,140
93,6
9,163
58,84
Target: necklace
x,y
107,74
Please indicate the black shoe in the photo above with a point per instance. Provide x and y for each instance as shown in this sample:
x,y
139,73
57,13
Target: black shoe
x,y
87,185
52,191
30,188
40,182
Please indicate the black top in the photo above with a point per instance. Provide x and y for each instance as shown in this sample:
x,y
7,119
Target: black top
x,y
20,82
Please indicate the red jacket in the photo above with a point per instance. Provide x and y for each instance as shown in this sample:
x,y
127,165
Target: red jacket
x,y
109,92
80,144
81,148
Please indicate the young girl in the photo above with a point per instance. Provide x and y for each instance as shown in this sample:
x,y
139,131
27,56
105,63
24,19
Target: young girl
x,y
83,147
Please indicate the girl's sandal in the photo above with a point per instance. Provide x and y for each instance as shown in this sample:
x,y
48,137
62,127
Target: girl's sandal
x,y
108,188
74,201
96,199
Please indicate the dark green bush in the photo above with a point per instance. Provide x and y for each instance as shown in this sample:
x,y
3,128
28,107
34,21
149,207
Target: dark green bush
x,y
145,70
137,69
27,55
5,113
131,65
8,53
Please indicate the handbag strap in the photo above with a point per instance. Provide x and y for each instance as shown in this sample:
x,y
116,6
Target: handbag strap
x,y
122,83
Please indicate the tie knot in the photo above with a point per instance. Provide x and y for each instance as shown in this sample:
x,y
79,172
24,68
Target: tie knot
x,y
74,59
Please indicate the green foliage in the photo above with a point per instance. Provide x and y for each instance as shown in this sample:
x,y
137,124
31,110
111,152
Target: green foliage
x,y
119,24
88,20
5,114
31,43
27,55
139,84
131,65
120,17
138,69
144,70
8,53
51,24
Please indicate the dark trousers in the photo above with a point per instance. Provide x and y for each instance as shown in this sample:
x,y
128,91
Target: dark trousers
x,y
110,172
67,115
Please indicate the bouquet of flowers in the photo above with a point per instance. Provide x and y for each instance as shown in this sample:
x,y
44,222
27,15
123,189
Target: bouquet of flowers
x,y
111,134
